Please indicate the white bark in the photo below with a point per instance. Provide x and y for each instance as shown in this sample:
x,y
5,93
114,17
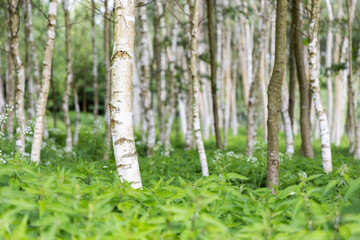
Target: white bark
x,y
314,71
45,84
94,68
328,62
146,93
2,93
107,75
121,93
196,89
20,74
69,78
289,138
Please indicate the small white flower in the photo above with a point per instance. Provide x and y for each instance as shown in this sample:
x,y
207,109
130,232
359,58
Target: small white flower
x,y
105,166
292,193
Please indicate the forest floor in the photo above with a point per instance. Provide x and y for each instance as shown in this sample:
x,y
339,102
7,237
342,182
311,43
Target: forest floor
x,y
79,195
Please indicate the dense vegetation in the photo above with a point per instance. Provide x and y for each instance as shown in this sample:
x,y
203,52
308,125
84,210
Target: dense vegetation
x,y
79,195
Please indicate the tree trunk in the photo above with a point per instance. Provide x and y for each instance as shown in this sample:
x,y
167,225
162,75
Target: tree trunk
x,y
94,68
292,82
33,47
14,6
45,84
2,94
274,96
31,96
10,91
315,85
196,88
160,60
121,93
77,116
353,127
107,75
69,78
212,48
289,136
172,96
145,80
305,126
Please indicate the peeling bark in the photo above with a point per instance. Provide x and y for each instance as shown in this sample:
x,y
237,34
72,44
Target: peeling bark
x,y
45,84
121,93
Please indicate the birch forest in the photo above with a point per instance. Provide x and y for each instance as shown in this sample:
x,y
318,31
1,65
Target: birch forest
x,y
180,119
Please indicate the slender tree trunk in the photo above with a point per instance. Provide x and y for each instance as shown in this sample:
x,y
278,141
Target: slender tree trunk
x,y
172,96
315,85
145,80
33,47
94,69
292,82
69,78
219,55
305,126
14,6
107,75
121,93
289,136
328,62
10,90
160,60
31,96
2,94
212,48
196,88
189,108
45,84
274,96
353,127
77,116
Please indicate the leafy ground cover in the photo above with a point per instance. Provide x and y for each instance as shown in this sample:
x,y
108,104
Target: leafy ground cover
x,y
79,196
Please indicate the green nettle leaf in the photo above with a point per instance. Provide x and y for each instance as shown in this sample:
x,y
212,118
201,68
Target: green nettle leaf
x,y
235,176
330,186
305,41
352,190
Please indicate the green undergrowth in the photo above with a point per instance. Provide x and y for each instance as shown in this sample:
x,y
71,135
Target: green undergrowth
x,y
79,195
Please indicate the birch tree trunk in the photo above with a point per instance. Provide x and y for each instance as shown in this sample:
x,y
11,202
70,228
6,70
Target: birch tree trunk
x,y
107,75
172,96
212,48
219,54
328,62
121,93
160,59
10,90
69,78
315,85
305,126
146,93
94,68
292,82
196,88
353,127
77,116
14,6
289,137
45,84
31,96
33,47
274,96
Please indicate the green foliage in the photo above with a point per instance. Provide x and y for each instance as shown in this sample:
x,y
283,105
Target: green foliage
x,y
79,195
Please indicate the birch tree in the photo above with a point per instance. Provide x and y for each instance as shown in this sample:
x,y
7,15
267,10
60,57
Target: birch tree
x,y
315,85
212,48
107,74
45,83
146,93
69,77
274,96
10,90
94,68
196,88
13,7
121,93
